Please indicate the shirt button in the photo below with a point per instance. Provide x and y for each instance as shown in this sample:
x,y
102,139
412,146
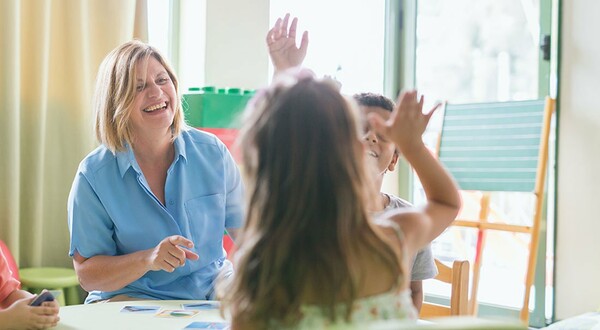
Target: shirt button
x,y
171,202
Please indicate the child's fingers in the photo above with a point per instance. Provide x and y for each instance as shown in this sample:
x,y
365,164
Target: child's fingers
x,y
270,34
432,110
284,26
304,42
53,305
405,99
377,123
293,26
277,29
46,310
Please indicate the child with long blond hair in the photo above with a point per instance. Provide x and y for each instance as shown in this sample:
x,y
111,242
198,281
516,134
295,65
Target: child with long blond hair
x,y
309,254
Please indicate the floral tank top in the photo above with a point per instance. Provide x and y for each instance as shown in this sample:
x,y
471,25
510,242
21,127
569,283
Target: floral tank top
x,y
391,305
386,306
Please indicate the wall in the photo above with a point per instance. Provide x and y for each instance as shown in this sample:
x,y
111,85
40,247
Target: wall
x,y
234,28
578,185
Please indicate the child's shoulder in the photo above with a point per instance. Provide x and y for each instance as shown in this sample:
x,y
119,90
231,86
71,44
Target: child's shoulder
x,y
396,202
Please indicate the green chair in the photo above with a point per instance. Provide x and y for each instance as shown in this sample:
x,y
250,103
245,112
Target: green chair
x,y
36,279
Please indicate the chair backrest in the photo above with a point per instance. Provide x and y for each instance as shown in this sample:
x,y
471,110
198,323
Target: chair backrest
x,y
493,146
499,147
12,264
458,278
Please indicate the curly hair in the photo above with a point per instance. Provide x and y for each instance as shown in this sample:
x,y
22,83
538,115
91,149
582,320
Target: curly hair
x,y
374,100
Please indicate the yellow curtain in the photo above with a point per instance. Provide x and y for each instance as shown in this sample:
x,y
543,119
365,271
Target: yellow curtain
x,y
51,50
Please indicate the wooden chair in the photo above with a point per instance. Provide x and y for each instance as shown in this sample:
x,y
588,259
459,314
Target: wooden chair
x,y
458,278
499,147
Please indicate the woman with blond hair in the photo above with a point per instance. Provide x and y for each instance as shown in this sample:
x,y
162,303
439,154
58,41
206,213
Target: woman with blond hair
x,y
148,207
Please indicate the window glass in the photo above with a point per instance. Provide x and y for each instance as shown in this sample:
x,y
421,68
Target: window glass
x,y
470,51
346,39
158,25
477,50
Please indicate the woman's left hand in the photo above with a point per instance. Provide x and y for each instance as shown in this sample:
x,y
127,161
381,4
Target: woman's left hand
x,y
171,253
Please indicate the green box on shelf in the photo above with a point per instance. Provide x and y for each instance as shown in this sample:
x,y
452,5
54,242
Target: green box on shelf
x,y
223,109
215,108
192,106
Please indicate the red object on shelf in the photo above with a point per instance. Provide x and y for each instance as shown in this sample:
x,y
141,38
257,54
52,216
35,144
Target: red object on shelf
x,y
229,246
228,136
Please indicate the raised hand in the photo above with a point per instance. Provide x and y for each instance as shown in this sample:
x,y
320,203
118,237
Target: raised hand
x,y
171,253
406,123
281,41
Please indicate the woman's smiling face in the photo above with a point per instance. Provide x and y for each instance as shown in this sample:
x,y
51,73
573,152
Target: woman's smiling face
x,y
154,100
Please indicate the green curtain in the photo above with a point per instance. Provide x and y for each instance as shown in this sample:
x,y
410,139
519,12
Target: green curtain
x,y
51,50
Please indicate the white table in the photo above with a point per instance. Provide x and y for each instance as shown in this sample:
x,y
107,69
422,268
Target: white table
x,y
108,316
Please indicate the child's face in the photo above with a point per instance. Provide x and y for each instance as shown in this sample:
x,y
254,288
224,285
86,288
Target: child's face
x,y
382,151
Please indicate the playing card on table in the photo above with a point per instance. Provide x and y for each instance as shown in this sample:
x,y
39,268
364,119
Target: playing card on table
x,y
177,313
201,305
140,309
208,325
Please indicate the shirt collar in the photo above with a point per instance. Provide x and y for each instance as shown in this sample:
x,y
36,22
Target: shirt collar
x,y
126,158
180,147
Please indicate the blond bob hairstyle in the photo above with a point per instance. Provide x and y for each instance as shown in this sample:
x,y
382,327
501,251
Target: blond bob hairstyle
x,y
116,90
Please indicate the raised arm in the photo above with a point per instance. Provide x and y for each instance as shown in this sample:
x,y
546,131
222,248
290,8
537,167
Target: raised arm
x,y
405,127
110,273
281,41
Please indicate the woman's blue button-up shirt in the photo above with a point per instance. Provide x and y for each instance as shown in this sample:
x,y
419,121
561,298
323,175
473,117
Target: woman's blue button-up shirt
x,y
112,211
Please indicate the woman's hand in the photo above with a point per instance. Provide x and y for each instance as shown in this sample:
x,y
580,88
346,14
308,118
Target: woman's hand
x,y
282,44
171,253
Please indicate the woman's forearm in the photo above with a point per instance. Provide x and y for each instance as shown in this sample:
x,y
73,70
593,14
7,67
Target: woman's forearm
x,y
110,273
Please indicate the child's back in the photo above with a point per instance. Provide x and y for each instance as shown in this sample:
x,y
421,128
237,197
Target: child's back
x,y
309,251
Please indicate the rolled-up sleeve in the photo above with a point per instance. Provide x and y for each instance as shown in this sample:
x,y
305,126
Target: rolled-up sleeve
x,y
8,283
90,226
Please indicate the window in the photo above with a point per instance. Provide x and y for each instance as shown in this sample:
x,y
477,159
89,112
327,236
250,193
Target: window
x,y
346,39
470,51
175,25
159,25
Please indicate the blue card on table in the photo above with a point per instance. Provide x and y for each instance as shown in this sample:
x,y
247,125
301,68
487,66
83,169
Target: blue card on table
x,y
208,325
140,309
202,305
